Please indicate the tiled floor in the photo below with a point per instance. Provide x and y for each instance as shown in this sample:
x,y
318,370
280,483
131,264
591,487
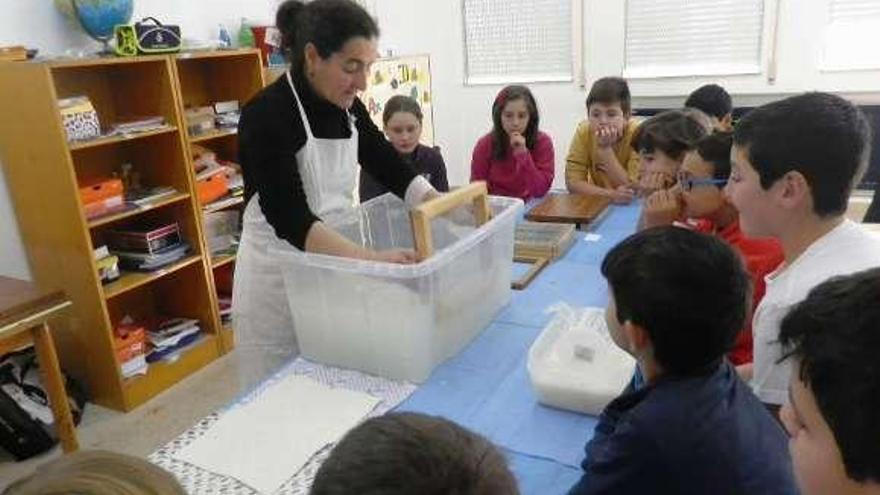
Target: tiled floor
x,y
150,426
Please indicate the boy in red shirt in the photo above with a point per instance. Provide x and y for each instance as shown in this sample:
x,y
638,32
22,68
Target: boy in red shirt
x,y
698,202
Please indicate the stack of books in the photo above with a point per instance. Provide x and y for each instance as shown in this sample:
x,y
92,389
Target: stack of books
x,y
207,165
135,126
170,337
108,265
227,114
225,303
148,249
129,342
146,196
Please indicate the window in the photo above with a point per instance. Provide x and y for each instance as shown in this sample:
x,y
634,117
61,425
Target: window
x,y
693,37
517,40
852,35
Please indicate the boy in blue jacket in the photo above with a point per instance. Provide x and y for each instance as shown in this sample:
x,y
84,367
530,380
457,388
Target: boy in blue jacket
x,y
677,301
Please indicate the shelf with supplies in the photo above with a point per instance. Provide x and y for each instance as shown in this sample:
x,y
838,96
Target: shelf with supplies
x,y
105,132
170,199
132,280
163,375
120,138
213,88
215,134
223,204
173,318
221,260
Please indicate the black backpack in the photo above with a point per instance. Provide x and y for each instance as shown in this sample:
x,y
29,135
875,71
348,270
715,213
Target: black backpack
x,y
27,427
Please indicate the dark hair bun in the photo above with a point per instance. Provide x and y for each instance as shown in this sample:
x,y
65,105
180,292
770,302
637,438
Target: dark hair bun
x,y
287,15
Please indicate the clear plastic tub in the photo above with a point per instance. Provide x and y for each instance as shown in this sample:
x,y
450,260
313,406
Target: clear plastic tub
x,y
575,365
400,321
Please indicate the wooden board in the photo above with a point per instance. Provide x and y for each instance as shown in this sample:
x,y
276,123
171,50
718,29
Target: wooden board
x,y
568,208
538,264
543,239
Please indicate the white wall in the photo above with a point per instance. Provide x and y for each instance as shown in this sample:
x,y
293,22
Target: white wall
x,y
461,113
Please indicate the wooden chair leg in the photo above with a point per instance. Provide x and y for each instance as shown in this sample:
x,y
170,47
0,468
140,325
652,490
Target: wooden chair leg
x,y
52,378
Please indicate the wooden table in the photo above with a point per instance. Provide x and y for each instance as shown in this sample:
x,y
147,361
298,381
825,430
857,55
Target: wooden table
x,y
578,209
24,315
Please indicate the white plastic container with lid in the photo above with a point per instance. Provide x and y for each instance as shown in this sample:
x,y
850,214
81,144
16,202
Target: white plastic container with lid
x,y
400,321
575,365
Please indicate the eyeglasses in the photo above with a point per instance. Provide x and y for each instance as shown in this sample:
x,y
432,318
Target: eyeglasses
x,y
687,182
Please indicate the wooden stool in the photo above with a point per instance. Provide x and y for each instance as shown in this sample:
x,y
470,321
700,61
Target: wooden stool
x,y
24,313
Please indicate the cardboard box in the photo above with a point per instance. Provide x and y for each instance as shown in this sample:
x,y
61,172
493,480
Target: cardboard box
x,y
79,118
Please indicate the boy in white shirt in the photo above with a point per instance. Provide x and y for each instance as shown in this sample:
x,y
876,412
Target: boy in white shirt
x,y
794,163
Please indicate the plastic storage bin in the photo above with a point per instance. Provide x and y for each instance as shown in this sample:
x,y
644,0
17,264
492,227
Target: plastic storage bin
x,y
400,321
574,365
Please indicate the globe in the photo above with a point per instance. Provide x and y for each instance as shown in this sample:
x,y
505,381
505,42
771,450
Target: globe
x,y
98,17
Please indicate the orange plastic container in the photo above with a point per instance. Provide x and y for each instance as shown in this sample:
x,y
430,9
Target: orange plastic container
x,y
97,190
212,188
129,341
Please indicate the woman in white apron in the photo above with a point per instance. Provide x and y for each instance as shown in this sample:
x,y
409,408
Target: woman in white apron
x,y
301,140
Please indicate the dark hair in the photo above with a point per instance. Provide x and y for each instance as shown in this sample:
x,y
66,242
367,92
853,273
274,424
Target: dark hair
x,y
401,103
712,99
610,90
822,136
715,149
673,132
833,336
406,453
327,24
689,291
500,139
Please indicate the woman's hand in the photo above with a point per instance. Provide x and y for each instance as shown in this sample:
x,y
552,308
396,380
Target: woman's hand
x,y
398,256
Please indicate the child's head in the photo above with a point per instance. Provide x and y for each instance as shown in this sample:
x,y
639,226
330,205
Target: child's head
x,y
609,103
662,141
796,158
514,111
714,101
402,119
679,298
703,174
833,418
97,473
404,453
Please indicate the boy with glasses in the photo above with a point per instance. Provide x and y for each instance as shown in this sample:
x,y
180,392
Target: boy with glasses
x,y
697,202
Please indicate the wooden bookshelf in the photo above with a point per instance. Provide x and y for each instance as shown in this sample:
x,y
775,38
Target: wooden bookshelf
x,y
43,171
204,79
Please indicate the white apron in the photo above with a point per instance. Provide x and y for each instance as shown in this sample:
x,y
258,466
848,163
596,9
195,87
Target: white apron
x,y
260,312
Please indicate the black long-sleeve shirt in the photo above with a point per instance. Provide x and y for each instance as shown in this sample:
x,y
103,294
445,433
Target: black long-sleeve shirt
x,y
271,132
427,162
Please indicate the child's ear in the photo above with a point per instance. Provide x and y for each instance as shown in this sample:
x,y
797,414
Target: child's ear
x,y
636,337
793,190
727,122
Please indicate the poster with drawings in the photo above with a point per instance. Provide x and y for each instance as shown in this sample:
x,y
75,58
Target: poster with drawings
x,y
405,75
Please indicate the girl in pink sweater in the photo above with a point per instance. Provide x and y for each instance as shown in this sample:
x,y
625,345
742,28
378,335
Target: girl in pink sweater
x,y
515,158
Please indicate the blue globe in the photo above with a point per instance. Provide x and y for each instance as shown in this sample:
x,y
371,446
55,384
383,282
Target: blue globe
x,y
99,17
